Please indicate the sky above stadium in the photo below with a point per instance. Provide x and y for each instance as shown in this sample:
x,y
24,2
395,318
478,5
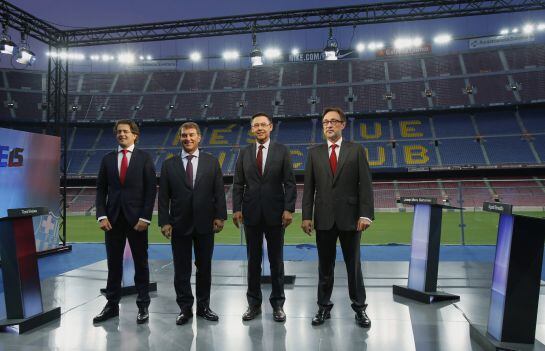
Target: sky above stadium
x,y
68,14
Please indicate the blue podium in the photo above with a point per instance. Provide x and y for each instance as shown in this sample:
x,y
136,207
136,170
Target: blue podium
x,y
424,262
515,281
22,289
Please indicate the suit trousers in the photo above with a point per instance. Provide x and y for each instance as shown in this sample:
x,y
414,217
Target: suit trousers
x,y
182,245
115,246
275,247
326,242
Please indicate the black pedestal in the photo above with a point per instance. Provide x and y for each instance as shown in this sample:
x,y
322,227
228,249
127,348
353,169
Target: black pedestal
x,y
22,290
424,263
516,279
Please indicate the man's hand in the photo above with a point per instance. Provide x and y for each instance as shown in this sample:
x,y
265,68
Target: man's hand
x,y
307,227
218,225
237,218
287,218
141,226
363,224
105,225
166,230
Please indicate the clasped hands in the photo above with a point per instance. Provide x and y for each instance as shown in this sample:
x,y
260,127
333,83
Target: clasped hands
x,y
166,230
308,226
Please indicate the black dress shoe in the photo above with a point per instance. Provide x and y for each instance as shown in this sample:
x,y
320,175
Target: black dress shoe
x,y
251,313
362,319
207,313
109,311
184,317
321,316
143,315
279,315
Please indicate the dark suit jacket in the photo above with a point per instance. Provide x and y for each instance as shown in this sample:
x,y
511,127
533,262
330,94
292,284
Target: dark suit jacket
x,y
136,197
342,198
268,195
187,208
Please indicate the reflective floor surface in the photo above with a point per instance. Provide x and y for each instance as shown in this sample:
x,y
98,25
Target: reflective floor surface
x,y
397,323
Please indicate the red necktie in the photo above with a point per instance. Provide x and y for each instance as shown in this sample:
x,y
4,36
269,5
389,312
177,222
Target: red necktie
x,y
124,166
259,160
333,159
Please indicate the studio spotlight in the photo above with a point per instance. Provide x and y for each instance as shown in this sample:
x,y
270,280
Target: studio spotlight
x,y
375,45
295,51
256,57
273,53
504,31
331,47
230,55
7,46
24,55
528,28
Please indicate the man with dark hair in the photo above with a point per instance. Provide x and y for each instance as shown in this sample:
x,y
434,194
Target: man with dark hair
x,y
338,192
126,189
192,209
264,196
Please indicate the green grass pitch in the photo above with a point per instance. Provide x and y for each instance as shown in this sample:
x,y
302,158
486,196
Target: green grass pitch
x,y
480,228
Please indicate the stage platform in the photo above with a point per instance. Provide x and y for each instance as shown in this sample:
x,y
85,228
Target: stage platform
x,y
397,323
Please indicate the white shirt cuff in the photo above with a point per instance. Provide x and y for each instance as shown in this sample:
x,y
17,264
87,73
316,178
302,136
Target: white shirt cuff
x,y
144,220
101,218
369,219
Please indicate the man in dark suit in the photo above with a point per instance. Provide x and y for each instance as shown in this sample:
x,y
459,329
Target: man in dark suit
x,y
264,196
126,189
191,210
338,192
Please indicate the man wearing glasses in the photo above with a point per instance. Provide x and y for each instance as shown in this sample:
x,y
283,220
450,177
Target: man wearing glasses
x,y
264,196
338,192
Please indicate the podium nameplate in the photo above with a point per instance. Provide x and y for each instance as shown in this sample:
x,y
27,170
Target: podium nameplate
x,y
498,207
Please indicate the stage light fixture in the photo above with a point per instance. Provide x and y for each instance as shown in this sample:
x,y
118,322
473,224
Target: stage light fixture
x,y
442,39
149,57
331,47
402,43
360,47
375,45
126,58
195,56
295,51
24,55
514,30
504,31
256,57
7,46
541,27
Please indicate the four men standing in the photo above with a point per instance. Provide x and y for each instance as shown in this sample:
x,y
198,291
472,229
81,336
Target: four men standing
x,y
192,208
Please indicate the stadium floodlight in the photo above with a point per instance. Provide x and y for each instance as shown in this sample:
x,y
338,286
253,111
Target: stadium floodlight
x,y
95,57
331,47
295,51
256,57
360,47
375,45
126,58
141,58
417,42
541,27
402,43
528,28
442,39
515,30
106,58
7,46
504,31
272,53
149,58
195,56
230,55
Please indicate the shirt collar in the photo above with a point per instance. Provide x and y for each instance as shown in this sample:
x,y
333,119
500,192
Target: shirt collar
x,y
338,143
195,154
265,144
130,148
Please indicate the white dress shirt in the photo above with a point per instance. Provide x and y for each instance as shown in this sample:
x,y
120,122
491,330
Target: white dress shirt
x,y
194,162
264,152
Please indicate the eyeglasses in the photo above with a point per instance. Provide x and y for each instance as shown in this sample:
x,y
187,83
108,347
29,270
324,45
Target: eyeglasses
x,y
262,125
332,121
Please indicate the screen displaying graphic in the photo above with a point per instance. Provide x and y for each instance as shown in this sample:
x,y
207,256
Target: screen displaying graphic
x,y
29,177
419,248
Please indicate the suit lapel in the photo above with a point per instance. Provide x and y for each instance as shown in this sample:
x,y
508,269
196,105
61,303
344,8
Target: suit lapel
x,y
200,170
324,157
343,154
134,158
180,170
253,159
